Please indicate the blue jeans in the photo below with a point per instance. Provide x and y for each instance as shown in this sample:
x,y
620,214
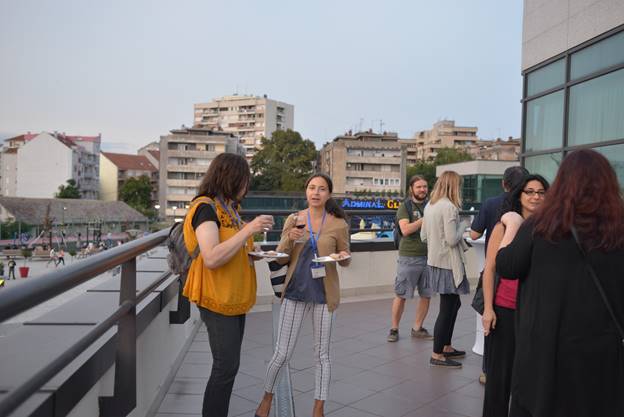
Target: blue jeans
x,y
225,334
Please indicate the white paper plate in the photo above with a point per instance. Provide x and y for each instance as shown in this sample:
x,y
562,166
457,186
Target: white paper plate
x,y
328,259
267,254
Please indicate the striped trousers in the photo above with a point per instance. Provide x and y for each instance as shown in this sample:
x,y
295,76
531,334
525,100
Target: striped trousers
x,y
292,314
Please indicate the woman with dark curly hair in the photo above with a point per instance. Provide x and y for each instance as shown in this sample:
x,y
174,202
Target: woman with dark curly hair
x,y
569,357
500,300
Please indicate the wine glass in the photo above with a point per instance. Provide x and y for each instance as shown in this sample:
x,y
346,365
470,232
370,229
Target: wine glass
x,y
300,224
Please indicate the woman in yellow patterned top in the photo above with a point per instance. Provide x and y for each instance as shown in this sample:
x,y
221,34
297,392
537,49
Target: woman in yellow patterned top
x,y
222,279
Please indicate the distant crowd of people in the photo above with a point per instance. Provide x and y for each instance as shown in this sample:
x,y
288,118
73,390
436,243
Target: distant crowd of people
x,y
553,342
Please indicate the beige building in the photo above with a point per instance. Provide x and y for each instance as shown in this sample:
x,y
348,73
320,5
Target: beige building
x,y
152,152
185,155
443,134
365,161
496,150
248,117
116,168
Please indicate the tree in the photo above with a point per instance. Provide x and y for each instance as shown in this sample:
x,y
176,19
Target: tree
x,y
428,169
137,193
284,163
71,190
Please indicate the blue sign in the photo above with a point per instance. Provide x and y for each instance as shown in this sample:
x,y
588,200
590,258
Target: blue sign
x,y
374,204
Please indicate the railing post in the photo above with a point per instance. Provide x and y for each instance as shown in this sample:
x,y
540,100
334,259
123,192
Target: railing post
x,y
284,402
184,306
124,395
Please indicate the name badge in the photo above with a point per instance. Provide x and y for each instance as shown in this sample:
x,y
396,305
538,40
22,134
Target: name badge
x,y
318,270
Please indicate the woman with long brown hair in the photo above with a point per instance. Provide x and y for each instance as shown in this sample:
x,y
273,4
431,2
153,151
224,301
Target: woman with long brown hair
x,y
310,287
222,278
569,358
443,230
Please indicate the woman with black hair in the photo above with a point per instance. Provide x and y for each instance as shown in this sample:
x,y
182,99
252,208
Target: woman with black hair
x,y
500,300
310,287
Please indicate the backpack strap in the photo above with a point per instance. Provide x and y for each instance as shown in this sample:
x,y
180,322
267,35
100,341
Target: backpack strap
x,y
196,202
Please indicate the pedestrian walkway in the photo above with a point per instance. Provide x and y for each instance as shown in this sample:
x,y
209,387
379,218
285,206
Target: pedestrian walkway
x,y
370,377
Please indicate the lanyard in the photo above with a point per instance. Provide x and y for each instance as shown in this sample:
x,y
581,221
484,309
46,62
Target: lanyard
x,y
236,219
313,240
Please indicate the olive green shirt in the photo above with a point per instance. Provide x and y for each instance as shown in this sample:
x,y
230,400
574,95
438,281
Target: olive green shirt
x,y
411,245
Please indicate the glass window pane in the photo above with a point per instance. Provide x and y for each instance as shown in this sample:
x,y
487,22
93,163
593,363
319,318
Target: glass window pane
x,y
604,54
615,155
544,165
597,110
542,79
544,122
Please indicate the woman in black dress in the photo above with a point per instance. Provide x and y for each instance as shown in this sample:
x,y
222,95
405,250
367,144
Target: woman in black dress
x,y
569,355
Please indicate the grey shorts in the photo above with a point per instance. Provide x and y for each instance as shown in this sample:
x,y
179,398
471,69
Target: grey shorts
x,y
412,275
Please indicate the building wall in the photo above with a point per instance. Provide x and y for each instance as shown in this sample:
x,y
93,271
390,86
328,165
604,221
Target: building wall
x,y
44,164
9,174
108,180
573,57
443,134
364,162
554,26
184,159
248,117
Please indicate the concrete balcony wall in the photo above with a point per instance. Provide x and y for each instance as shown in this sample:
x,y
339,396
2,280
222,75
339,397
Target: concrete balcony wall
x,y
370,273
160,348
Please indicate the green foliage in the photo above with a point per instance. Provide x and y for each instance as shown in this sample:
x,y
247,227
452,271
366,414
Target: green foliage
x,y
71,190
137,193
10,229
284,163
428,169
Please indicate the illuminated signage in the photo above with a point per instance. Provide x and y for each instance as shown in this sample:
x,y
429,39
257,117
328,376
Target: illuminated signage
x,y
371,204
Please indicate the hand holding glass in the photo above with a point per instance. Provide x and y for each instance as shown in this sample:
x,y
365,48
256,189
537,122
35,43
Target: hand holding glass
x,y
301,224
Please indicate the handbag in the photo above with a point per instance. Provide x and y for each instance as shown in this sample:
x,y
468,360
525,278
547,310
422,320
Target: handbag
x,y
478,302
601,290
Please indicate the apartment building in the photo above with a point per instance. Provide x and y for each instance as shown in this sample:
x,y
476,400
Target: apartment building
x,y
443,134
365,161
248,117
185,155
35,165
496,150
152,152
116,168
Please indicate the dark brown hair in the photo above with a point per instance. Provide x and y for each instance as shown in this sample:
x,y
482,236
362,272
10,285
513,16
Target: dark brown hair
x,y
585,194
227,175
413,180
331,206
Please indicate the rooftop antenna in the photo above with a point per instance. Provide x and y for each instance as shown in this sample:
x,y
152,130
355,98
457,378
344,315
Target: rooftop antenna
x,y
361,122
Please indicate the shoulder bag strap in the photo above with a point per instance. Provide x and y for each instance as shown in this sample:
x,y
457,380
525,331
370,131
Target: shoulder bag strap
x,y
410,209
598,284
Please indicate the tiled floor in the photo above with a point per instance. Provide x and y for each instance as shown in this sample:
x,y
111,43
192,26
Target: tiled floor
x,y
370,377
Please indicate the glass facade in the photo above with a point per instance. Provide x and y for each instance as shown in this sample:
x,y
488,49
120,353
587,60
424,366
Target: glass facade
x,y
477,188
576,102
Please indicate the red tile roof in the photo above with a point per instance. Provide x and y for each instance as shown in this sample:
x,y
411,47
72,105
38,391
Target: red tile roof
x,y
126,162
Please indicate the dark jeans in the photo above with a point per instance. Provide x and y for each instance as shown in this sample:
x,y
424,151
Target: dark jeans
x,y
11,273
225,334
445,323
500,363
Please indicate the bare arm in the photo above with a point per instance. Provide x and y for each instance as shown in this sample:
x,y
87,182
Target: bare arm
x,y
408,228
489,273
475,235
215,253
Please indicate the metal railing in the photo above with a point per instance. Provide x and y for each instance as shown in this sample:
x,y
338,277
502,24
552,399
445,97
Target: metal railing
x,y
21,298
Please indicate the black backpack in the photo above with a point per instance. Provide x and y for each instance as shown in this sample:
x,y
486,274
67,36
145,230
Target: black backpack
x,y
179,259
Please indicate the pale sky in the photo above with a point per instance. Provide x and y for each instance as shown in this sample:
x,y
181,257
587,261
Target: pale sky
x,y
132,70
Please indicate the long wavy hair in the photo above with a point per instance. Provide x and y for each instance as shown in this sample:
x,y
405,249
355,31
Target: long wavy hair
x,y
585,194
331,206
512,201
449,186
227,175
